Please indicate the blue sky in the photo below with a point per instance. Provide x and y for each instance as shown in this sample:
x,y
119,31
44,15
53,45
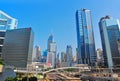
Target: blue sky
x,y
58,17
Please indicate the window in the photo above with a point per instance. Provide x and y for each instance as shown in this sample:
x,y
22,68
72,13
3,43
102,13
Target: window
x,y
2,34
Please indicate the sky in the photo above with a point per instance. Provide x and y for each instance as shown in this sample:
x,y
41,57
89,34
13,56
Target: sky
x,y
58,17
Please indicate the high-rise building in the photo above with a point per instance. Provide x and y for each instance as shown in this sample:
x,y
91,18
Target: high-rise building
x,y
36,54
69,53
44,56
45,53
58,63
109,31
63,57
18,46
50,40
51,58
6,23
85,38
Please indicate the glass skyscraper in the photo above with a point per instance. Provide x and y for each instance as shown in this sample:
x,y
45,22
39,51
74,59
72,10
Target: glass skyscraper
x,y
50,40
85,38
6,23
109,31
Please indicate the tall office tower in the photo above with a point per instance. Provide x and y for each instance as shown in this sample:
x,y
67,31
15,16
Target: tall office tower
x,y
69,53
109,31
63,57
36,54
18,46
50,40
6,23
85,38
51,58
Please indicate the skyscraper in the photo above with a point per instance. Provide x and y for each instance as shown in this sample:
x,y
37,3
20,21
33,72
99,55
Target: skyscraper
x,y
51,58
63,57
36,54
6,23
85,38
50,40
69,53
109,31
18,46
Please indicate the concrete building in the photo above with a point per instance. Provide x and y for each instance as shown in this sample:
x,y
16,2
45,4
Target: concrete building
x,y
36,54
6,23
18,46
51,58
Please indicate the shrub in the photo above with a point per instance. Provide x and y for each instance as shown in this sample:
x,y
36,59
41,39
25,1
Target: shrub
x,y
10,79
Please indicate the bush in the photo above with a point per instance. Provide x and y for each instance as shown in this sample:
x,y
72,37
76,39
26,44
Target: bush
x,y
2,62
32,79
24,79
10,79
70,69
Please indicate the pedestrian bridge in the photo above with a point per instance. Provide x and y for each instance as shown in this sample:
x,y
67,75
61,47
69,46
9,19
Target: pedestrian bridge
x,y
80,69
25,70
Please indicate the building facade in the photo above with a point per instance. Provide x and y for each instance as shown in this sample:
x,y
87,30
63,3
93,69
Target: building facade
x,y
100,59
51,58
63,57
36,54
18,46
50,40
69,53
6,23
109,31
44,56
85,38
